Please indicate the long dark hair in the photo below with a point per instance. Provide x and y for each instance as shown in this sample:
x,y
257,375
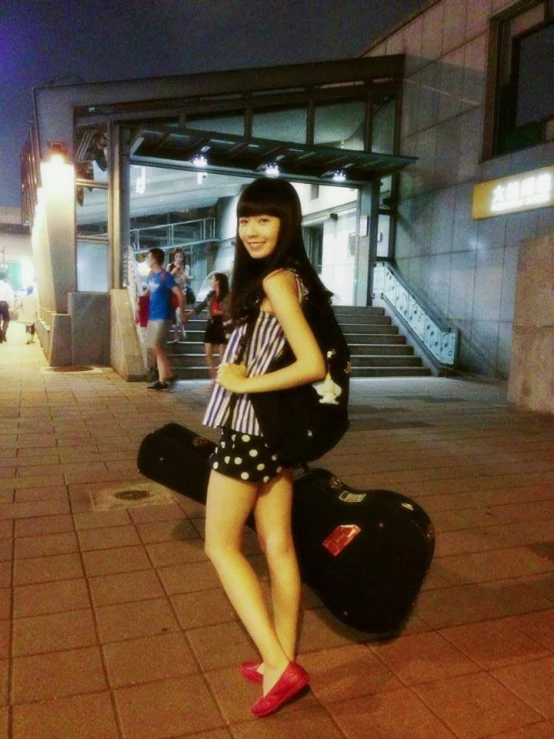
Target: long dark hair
x,y
223,283
272,197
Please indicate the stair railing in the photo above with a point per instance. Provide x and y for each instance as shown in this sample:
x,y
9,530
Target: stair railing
x,y
436,338
134,288
170,235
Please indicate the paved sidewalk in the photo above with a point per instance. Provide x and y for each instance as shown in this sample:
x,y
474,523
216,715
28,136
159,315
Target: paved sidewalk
x,y
113,624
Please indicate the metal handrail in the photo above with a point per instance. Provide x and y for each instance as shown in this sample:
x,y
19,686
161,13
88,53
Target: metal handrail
x,y
440,340
206,232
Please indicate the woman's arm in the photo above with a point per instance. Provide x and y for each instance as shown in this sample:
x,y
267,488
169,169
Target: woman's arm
x,y
281,290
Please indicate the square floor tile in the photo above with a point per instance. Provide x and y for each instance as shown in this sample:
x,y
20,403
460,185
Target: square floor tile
x,y
397,714
174,530
148,659
57,674
4,674
45,545
319,629
43,525
347,672
47,569
543,730
50,597
133,620
111,561
167,708
302,718
125,587
176,552
108,538
539,626
5,603
188,578
89,715
203,608
221,645
423,658
533,682
476,705
53,632
5,631
101,519
494,643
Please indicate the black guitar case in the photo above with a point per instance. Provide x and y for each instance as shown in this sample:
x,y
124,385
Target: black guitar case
x,y
364,552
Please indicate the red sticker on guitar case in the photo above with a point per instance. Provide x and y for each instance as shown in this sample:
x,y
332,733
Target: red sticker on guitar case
x,y
341,538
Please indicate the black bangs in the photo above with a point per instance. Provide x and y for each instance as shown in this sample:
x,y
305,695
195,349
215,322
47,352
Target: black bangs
x,y
248,208
272,197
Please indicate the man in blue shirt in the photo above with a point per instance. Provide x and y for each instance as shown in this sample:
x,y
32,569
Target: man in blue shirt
x,y
160,287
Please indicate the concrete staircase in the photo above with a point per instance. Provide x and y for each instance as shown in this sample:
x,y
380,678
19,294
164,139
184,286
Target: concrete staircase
x,y
378,350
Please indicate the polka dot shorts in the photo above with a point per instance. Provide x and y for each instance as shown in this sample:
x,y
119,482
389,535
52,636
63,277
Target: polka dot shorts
x,y
244,457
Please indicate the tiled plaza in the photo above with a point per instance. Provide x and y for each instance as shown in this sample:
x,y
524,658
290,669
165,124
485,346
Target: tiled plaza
x,y
112,621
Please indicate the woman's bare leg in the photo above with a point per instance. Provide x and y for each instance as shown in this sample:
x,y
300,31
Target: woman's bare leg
x,y
212,369
228,504
273,524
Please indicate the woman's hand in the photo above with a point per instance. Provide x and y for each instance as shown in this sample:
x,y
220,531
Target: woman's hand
x,y
233,377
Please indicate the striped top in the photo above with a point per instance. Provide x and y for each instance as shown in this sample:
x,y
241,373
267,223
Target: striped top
x,y
267,342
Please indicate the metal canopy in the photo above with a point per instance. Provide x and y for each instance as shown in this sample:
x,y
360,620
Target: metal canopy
x,y
225,153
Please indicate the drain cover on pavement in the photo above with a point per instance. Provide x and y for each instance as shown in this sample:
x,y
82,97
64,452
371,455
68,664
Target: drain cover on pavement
x,y
131,495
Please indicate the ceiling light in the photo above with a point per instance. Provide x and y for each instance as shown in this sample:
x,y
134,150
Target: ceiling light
x,y
272,170
339,176
200,161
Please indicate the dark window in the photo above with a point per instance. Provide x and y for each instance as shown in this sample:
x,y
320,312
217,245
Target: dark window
x,y
313,240
535,54
525,79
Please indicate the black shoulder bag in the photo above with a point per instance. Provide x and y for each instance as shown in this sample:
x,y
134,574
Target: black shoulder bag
x,y
303,423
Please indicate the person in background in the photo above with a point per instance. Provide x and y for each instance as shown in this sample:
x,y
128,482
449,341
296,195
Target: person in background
x,y
6,304
178,270
28,313
160,286
215,336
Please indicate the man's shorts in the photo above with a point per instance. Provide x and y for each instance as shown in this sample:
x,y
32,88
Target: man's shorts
x,y
156,332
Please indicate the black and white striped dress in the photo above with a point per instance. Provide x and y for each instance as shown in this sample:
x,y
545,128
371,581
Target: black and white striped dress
x,y
267,342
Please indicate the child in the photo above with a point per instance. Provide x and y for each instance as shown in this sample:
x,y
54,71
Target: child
x,y
271,275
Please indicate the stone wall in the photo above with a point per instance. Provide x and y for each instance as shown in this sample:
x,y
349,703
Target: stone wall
x,y
531,382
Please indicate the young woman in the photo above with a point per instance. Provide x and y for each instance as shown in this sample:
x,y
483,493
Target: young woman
x,y
217,302
180,273
271,276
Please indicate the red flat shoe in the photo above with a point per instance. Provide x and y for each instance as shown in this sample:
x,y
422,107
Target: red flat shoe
x,y
291,682
250,671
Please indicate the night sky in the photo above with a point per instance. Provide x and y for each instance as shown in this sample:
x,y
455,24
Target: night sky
x,y
46,42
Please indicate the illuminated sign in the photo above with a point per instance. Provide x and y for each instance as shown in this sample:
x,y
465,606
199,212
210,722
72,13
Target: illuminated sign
x,y
525,191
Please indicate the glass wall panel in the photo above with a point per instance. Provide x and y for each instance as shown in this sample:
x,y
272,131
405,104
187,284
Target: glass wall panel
x,y
232,123
92,266
92,210
383,128
340,125
281,124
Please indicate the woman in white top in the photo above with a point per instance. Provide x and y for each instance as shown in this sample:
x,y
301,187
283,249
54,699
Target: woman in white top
x,y
270,276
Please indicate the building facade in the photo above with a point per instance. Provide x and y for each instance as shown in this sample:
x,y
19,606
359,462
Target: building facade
x,y
469,118
449,109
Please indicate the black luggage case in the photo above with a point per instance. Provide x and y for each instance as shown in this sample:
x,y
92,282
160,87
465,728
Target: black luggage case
x,y
364,552
177,457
